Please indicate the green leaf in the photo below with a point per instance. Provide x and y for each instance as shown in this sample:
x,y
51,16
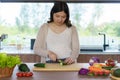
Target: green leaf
x,y
9,61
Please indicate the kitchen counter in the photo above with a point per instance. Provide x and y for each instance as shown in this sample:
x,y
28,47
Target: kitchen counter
x,y
111,52
55,75
27,50
14,50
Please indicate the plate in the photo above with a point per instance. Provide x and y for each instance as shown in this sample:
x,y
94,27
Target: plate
x,y
114,78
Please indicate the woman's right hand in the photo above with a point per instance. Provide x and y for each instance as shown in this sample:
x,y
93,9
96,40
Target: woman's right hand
x,y
52,56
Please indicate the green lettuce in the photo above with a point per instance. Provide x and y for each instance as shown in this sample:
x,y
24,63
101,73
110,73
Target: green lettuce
x,y
9,61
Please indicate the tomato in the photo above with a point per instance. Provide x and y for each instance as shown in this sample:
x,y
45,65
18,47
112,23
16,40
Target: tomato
x,y
19,74
24,74
106,72
30,73
100,73
96,73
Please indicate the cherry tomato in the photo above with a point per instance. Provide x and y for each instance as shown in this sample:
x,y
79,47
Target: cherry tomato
x,y
19,74
96,73
24,74
30,73
106,72
101,73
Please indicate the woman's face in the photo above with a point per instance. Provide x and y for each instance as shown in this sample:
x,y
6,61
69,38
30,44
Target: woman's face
x,y
59,18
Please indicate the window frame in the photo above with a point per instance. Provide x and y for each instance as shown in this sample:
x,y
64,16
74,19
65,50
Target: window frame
x,y
69,1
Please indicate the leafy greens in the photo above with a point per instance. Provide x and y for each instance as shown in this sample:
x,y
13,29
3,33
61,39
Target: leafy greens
x,y
9,61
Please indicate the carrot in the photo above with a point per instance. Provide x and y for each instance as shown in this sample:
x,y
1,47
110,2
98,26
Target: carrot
x,y
98,71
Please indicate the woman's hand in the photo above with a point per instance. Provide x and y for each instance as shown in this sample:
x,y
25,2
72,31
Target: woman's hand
x,y
52,56
69,60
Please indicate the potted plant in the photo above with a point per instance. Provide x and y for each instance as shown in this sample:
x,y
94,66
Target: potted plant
x,y
7,64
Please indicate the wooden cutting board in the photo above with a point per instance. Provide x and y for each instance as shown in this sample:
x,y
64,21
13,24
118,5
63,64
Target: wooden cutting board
x,y
58,67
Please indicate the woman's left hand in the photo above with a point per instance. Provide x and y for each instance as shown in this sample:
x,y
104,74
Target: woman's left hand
x,y
69,60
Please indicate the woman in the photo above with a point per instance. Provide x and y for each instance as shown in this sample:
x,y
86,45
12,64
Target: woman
x,y
58,38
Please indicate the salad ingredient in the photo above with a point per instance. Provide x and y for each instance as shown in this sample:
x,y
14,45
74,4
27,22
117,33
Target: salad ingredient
x,y
94,60
8,61
24,74
110,62
23,67
83,71
98,65
39,65
19,74
107,67
98,71
116,72
62,62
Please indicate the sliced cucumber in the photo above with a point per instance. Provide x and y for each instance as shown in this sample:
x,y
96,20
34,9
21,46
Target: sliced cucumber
x,y
62,63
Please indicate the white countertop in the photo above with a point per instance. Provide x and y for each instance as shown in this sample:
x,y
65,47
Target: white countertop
x,y
14,50
109,51
27,50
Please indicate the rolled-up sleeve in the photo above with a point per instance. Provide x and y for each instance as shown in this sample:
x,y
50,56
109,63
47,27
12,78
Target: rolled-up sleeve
x,y
40,42
75,44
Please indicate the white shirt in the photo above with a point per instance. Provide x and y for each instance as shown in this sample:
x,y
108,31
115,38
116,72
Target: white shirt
x,y
60,43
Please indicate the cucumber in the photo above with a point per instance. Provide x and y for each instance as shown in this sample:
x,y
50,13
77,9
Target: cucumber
x,y
107,67
61,62
39,65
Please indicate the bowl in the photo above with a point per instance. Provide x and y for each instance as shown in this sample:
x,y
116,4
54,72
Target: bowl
x,y
111,63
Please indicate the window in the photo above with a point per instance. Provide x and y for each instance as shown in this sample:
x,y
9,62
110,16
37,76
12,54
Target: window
x,y
21,22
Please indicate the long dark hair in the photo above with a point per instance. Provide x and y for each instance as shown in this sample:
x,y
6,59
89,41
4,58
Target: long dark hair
x,y
60,6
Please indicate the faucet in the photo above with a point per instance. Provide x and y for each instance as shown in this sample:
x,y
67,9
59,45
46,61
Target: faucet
x,y
104,39
2,37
